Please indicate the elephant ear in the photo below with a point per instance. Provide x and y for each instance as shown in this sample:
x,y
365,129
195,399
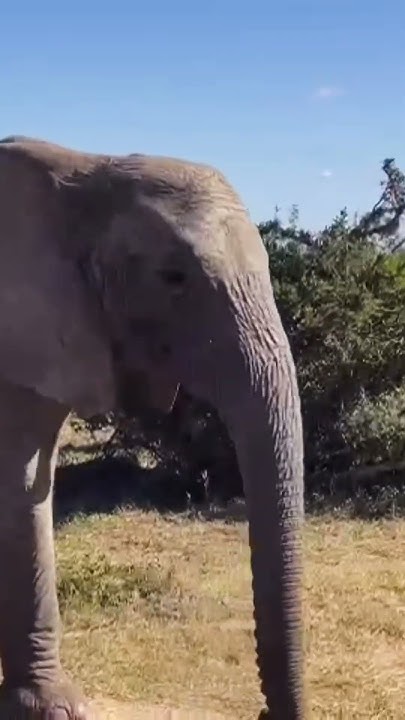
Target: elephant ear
x,y
51,331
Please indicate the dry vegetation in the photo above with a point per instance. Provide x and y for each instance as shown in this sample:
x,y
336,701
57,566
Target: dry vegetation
x,y
158,609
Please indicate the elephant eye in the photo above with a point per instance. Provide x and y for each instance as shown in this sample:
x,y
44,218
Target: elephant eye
x,y
173,277
165,350
134,266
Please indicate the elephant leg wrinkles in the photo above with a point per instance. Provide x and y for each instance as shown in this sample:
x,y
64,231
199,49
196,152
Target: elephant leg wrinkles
x,y
33,684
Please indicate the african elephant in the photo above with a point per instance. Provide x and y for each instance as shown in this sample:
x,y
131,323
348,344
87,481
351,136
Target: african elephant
x,y
121,278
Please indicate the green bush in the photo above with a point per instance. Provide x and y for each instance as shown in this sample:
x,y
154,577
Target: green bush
x,y
375,428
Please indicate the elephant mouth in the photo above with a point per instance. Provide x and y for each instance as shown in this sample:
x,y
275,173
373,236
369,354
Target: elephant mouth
x,y
142,390
133,394
149,395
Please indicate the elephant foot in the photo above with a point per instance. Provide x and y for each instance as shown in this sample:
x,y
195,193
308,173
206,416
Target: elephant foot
x,y
48,702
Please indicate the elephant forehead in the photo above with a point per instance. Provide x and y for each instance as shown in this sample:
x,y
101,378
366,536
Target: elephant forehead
x,y
213,237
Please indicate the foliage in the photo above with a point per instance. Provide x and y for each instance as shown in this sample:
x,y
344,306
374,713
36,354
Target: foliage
x,y
375,428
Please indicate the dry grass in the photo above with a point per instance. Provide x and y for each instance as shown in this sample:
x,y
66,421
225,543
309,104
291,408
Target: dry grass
x,y
159,610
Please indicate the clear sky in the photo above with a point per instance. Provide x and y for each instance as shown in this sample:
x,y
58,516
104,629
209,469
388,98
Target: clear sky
x,y
296,101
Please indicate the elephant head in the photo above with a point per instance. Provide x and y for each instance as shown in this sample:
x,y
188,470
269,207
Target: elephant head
x,y
123,277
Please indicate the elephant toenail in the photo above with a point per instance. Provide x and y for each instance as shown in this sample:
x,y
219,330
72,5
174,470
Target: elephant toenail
x,y
58,714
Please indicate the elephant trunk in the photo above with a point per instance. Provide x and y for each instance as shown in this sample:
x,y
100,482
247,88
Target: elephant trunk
x,y
264,419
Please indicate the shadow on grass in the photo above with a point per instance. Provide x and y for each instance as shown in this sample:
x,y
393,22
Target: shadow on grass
x,y
105,485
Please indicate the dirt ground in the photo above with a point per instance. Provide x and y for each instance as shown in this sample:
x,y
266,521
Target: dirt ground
x,y
112,710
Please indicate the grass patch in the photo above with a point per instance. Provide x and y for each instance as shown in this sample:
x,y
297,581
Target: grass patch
x,y
96,583
159,610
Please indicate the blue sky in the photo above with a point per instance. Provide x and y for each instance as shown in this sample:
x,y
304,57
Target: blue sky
x,y
280,96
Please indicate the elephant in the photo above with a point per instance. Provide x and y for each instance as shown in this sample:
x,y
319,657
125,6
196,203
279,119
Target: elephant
x,y
123,278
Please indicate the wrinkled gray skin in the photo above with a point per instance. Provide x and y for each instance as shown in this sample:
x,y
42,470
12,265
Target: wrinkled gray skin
x,y
121,278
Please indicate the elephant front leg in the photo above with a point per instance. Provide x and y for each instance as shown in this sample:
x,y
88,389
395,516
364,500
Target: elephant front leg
x,y
33,685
